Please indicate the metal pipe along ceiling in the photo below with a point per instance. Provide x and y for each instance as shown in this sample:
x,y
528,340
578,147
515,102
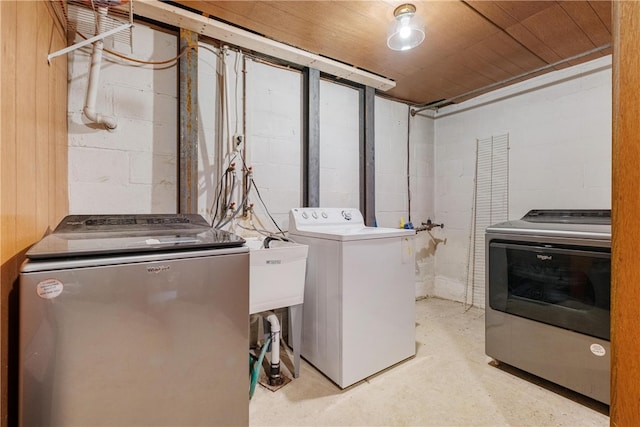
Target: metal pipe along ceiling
x,y
420,107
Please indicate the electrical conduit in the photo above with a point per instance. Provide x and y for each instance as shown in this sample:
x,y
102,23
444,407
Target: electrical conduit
x,y
94,76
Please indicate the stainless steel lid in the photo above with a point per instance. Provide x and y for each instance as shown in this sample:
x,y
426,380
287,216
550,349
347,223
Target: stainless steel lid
x,y
577,223
95,235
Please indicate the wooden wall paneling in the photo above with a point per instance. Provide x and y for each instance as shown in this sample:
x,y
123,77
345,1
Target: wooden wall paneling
x,y
459,27
231,10
492,12
33,163
455,69
8,268
556,29
533,43
492,69
52,134
61,136
438,77
2,374
603,10
332,25
435,77
42,171
355,33
625,268
58,129
26,121
504,53
1,52
588,20
521,10
377,15
8,28
8,38
62,194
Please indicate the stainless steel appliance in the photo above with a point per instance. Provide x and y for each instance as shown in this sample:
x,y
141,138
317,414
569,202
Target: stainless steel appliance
x,y
134,320
548,295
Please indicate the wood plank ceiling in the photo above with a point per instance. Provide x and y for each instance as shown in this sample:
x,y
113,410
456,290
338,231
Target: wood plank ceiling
x,y
468,44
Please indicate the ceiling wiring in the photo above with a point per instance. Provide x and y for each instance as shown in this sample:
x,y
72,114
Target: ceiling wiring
x,y
141,61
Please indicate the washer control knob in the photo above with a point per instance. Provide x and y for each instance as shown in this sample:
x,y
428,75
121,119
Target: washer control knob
x,y
314,214
304,215
324,215
346,215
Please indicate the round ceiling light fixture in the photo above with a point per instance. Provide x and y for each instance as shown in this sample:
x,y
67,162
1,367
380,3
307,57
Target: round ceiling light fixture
x,y
406,31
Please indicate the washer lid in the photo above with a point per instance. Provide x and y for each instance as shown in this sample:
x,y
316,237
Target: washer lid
x,y
577,223
341,224
95,235
351,233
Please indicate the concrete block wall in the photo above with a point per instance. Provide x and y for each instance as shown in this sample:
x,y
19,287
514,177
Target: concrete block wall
x,y
422,173
209,69
391,162
133,170
559,127
130,170
401,140
339,146
274,135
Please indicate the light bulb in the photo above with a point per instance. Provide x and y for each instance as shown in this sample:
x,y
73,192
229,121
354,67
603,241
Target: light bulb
x,y
405,29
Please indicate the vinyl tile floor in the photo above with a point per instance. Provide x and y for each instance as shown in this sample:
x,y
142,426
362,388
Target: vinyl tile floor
x,y
450,382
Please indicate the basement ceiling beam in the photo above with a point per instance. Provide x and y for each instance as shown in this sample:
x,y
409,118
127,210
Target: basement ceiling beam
x,y
172,15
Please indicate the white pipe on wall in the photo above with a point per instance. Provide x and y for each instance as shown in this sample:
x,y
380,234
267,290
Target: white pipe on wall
x,y
275,338
109,122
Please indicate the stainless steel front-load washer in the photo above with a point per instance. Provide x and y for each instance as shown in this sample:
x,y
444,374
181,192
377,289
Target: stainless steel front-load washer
x,y
548,297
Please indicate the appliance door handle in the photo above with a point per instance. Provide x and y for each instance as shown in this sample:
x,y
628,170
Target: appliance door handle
x,y
550,249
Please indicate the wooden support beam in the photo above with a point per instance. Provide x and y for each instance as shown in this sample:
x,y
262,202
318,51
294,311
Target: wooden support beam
x,y
625,268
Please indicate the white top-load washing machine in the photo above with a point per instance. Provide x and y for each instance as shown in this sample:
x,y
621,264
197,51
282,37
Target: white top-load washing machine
x,y
359,300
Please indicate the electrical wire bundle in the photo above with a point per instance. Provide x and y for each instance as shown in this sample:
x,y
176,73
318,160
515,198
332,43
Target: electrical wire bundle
x,y
223,208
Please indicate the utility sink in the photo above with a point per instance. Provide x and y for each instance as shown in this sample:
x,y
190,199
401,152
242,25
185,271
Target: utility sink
x,y
277,274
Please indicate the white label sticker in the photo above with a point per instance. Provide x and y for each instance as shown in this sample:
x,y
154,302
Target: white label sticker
x,y
49,288
598,350
152,241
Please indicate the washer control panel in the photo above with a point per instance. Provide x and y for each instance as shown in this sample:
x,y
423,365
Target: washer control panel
x,y
318,217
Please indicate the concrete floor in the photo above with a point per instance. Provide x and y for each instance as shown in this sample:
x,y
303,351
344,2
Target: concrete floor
x,y
450,382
